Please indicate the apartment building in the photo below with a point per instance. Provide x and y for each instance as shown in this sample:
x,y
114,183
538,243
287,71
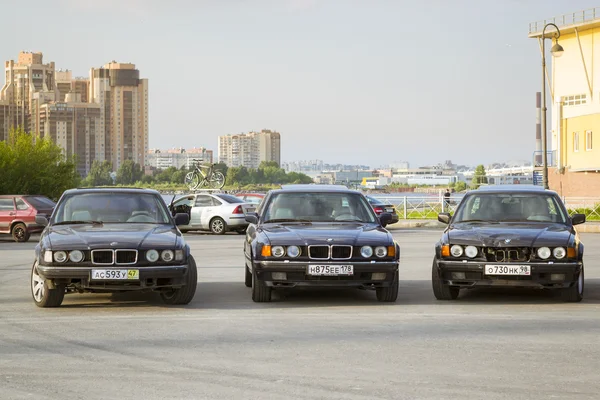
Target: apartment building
x,y
573,92
178,157
250,149
7,118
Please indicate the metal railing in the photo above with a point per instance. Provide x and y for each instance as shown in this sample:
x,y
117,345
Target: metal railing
x,y
567,19
538,159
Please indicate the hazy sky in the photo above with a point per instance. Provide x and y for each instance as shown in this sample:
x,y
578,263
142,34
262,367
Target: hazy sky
x,y
355,81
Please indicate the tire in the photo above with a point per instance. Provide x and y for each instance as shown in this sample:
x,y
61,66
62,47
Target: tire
x,y
441,290
185,294
42,295
389,294
218,226
20,233
574,294
248,277
192,180
261,293
217,180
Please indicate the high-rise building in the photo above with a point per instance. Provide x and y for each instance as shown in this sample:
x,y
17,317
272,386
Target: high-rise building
x,y
250,149
123,100
178,157
7,118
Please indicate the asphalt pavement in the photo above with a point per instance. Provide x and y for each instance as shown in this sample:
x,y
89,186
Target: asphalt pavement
x,y
309,344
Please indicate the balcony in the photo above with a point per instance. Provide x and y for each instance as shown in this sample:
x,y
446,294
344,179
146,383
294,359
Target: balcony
x,y
538,159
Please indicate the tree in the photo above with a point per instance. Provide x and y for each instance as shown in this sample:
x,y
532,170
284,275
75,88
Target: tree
x,y
129,173
30,164
479,177
99,174
221,166
266,164
460,186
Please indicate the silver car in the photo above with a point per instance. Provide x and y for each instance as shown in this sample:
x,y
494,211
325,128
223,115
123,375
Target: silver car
x,y
215,212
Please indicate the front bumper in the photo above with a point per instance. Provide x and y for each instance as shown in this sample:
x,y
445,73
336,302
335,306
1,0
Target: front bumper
x,y
296,274
150,277
541,274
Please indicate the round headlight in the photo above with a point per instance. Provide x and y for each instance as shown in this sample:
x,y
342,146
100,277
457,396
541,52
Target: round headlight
x,y
152,255
543,253
293,251
381,251
60,256
366,251
471,251
167,255
277,251
76,256
456,250
559,252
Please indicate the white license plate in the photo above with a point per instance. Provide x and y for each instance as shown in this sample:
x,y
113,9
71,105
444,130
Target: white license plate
x,y
250,209
507,270
115,274
330,270
390,210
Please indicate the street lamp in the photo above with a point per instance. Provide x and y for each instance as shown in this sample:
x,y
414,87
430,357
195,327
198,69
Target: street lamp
x,y
557,51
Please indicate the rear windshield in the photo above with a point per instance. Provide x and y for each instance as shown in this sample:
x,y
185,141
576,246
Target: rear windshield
x,y
229,198
40,202
373,200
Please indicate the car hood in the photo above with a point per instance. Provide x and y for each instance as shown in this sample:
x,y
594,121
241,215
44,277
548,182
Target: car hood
x,y
132,236
510,234
343,233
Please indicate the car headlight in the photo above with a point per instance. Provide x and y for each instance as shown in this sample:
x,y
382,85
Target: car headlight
x,y
167,255
471,251
76,256
559,252
380,251
48,256
366,251
277,251
293,251
179,255
152,255
60,256
544,253
456,250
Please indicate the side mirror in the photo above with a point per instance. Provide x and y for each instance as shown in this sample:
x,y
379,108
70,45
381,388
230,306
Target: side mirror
x,y
577,219
41,220
444,218
182,219
385,218
251,218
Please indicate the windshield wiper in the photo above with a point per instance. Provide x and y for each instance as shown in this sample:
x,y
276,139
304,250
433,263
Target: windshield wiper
x,y
79,222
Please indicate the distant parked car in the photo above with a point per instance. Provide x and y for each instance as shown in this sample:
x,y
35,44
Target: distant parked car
x,y
215,212
380,207
17,215
254,198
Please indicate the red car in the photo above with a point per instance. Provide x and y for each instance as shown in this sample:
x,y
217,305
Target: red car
x,y
17,215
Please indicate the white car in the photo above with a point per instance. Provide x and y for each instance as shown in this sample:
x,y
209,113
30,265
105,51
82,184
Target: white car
x,y
215,212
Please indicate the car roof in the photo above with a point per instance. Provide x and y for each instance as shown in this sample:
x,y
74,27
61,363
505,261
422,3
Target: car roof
x,y
108,189
513,189
314,188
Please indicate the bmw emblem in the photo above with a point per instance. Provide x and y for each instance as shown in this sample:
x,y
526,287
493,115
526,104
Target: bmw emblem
x,y
507,241
114,243
330,240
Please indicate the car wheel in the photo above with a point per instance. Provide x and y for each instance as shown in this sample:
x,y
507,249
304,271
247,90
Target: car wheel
x,y
574,293
20,233
185,294
441,290
42,295
261,293
389,294
248,277
218,226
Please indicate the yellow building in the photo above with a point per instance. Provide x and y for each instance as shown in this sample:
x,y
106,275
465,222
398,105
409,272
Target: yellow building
x,y
573,95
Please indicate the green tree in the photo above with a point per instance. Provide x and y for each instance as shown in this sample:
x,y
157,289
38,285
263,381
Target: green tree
x,y
147,179
266,164
479,177
30,164
296,177
99,174
460,186
129,173
221,166
166,175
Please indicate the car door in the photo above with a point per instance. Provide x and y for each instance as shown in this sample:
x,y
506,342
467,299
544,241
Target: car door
x,y
7,213
25,213
200,212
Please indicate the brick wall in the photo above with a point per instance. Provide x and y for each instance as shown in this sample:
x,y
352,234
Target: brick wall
x,y
574,184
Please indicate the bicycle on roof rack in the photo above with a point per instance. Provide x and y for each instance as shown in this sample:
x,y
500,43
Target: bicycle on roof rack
x,y
211,178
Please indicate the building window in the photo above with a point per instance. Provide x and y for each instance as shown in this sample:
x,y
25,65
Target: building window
x,y
574,100
588,140
575,141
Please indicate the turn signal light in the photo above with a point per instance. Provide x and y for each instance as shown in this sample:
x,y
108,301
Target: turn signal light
x,y
266,251
571,252
391,251
446,250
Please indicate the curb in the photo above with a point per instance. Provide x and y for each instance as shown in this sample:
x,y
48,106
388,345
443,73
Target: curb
x,y
588,227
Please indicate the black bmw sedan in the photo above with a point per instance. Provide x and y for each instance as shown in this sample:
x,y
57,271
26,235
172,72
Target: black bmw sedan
x,y
509,235
319,235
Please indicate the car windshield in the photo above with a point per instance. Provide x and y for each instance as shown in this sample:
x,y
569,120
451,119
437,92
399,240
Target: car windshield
x,y
318,207
510,207
112,207
229,198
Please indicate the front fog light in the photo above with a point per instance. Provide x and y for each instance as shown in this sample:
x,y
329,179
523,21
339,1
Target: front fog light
x,y
366,251
60,256
380,251
279,276
378,276
152,255
458,275
456,250
559,252
543,253
557,277
76,256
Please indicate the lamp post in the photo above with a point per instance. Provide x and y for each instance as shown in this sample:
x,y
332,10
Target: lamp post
x,y
556,51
